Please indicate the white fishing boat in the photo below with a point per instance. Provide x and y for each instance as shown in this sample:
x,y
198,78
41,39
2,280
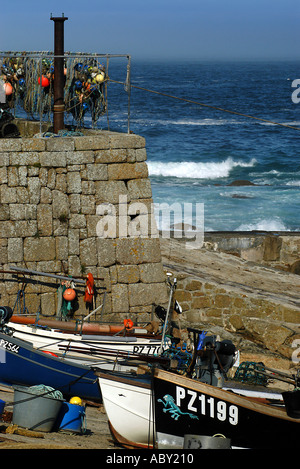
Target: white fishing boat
x,y
86,349
128,404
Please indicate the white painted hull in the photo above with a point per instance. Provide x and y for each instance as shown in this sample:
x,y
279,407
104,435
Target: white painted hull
x,y
129,410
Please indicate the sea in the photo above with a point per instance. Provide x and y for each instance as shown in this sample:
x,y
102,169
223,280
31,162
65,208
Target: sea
x,y
210,124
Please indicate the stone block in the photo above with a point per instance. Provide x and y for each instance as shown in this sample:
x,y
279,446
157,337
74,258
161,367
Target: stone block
x,y
33,144
12,176
60,144
106,252
142,293
139,189
61,182
9,144
73,242
3,175
48,304
110,191
88,205
121,140
39,249
75,203
4,158
111,156
88,251
137,250
53,159
74,182
25,158
23,195
60,204
152,273
127,171
45,219
80,157
62,247
128,273
119,298
15,250
77,220
4,212
97,172
8,195
23,211
34,189
22,175
74,266
96,142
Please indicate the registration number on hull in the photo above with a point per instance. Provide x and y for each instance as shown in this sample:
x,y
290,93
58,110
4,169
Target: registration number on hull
x,y
146,349
207,405
9,346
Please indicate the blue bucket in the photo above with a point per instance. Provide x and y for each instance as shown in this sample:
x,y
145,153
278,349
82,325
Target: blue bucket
x,y
71,418
2,405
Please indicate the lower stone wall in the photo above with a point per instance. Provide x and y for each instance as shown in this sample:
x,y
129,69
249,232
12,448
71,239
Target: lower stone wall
x,y
272,325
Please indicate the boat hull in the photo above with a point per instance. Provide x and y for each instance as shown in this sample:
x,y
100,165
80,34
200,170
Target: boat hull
x,y
128,405
21,364
185,406
98,350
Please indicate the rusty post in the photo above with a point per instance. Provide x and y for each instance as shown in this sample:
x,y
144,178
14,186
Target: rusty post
x,y
59,106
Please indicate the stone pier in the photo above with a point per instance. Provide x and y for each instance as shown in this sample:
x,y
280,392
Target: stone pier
x,y
74,205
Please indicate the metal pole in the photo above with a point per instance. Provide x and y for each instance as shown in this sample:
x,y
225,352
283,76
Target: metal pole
x,y
59,106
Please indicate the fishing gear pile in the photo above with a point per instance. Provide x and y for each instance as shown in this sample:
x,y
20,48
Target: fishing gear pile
x,y
28,83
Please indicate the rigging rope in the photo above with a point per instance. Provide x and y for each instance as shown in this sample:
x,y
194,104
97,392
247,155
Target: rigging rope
x,y
207,105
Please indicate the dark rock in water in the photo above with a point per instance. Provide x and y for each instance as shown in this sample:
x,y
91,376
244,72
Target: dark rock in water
x,y
242,182
240,196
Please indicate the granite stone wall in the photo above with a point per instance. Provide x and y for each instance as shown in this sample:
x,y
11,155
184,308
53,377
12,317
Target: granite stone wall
x,y
79,204
269,323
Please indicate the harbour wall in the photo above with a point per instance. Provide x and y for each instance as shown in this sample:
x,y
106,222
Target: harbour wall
x,y
220,290
60,213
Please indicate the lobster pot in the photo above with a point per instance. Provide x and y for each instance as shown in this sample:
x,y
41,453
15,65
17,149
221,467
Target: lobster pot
x,y
206,442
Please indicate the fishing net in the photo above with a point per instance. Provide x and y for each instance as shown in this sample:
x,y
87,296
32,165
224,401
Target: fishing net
x,y
29,84
249,372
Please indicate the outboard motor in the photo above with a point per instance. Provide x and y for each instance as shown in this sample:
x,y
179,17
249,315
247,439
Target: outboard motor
x,y
214,359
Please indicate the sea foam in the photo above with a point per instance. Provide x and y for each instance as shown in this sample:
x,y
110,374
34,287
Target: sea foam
x,y
193,170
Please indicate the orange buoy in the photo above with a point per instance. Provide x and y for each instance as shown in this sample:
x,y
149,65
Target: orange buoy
x,y
128,323
8,88
69,294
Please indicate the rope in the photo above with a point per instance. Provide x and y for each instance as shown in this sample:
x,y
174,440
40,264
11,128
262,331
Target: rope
x,y
207,105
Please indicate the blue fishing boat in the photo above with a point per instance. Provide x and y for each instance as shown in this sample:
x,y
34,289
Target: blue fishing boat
x,y
21,364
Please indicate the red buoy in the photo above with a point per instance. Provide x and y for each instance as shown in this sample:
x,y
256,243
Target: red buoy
x,y
45,81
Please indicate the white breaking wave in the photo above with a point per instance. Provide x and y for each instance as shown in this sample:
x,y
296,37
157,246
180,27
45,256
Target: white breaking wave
x,y
264,225
192,170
